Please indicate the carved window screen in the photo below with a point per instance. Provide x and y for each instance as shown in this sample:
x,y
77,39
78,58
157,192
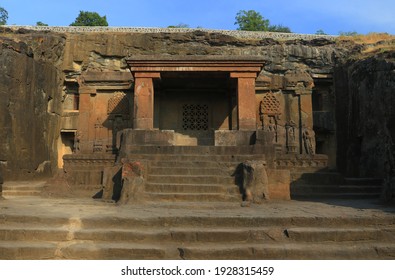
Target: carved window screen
x,y
270,105
118,104
195,117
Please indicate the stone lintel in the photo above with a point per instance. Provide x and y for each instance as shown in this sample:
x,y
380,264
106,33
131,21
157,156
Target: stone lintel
x,y
243,75
194,64
87,90
195,68
147,75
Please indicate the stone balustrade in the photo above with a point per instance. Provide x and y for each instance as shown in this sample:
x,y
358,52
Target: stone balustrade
x,y
234,33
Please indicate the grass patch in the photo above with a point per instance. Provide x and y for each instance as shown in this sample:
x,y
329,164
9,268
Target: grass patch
x,y
373,43
371,38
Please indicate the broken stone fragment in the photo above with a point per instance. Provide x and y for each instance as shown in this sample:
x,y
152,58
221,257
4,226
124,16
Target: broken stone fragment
x,y
132,182
255,182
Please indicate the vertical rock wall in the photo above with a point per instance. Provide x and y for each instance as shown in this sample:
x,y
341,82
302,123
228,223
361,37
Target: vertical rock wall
x,y
365,109
30,87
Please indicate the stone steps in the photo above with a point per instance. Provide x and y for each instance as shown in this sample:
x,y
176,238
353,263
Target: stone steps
x,y
190,188
190,179
22,188
306,234
191,197
317,178
363,181
196,150
195,164
334,191
197,158
197,237
300,251
192,173
193,234
334,186
203,251
166,170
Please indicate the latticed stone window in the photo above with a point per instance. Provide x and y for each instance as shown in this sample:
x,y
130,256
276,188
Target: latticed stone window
x,y
270,105
118,104
195,117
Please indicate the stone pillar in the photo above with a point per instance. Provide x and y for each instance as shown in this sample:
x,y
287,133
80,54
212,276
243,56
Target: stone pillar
x,y
144,100
246,100
306,110
84,135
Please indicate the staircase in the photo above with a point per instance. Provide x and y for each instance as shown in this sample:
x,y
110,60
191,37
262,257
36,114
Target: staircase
x,y
196,236
193,173
332,185
22,188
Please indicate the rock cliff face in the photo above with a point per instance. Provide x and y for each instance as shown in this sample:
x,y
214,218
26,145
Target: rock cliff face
x,y
30,81
101,52
366,115
365,109
37,66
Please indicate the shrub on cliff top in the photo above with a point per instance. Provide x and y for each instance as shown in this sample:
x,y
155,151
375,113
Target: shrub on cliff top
x,y
3,16
90,19
253,21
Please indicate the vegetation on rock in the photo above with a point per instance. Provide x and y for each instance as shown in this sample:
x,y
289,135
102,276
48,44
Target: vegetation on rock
x,y
3,16
253,21
40,23
180,25
90,19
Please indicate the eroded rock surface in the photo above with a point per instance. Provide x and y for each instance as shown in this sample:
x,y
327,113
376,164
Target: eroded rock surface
x,y
30,87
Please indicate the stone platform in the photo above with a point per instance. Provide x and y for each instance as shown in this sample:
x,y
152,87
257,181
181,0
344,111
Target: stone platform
x,y
49,228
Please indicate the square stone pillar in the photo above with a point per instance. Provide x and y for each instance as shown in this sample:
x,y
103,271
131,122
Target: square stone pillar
x,y
85,128
306,110
246,100
143,113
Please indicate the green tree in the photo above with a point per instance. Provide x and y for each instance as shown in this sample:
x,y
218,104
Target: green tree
x,y
3,16
251,21
90,19
39,23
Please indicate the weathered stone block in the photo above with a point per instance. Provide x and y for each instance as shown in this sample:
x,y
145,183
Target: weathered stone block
x,y
279,184
148,137
132,182
255,182
234,138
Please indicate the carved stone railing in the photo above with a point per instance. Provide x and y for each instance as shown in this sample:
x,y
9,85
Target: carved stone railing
x,y
234,33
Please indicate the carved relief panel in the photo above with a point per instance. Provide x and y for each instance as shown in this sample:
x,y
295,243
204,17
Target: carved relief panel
x,y
270,111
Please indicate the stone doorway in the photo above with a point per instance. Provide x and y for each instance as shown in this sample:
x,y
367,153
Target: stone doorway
x,y
194,105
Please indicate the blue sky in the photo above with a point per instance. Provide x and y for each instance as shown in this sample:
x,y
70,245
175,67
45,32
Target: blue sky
x,y
303,16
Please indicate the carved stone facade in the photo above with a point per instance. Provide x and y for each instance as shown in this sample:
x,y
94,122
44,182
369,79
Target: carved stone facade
x,y
195,101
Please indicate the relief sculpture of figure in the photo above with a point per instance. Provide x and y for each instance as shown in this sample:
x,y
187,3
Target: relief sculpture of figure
x,y
290,137
261,114
308,136
77,140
